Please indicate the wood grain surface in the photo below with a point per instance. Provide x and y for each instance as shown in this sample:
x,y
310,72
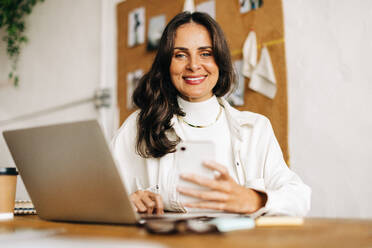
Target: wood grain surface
x,y
314,233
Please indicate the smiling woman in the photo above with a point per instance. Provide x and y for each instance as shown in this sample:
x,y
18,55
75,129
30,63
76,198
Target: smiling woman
x,y
181,99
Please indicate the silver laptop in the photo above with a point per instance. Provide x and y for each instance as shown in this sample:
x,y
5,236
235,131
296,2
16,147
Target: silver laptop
x,y
70,174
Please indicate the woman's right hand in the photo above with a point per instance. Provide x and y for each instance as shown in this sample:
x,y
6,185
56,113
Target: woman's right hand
x,y
147,202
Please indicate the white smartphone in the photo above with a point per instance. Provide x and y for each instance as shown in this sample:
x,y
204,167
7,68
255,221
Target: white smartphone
x,y
190,156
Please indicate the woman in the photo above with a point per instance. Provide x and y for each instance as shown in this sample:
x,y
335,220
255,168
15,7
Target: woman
x,y
180,98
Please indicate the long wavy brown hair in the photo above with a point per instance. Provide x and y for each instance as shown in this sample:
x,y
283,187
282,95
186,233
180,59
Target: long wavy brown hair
x,y
156,96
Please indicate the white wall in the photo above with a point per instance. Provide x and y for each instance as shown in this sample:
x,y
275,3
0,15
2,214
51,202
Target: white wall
x,y
109,116
329,52
60,64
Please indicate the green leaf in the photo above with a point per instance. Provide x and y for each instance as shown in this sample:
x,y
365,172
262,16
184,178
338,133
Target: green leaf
x,y
21,26
10,75
12,29
23,39
26,8
16,80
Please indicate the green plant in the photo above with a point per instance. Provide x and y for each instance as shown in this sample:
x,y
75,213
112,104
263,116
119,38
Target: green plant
x,y
12,17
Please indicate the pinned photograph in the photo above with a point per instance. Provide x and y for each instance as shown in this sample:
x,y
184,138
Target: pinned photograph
x,y
255,4
248,5
236,98
245,6
136,27
208,7
156,27
132,82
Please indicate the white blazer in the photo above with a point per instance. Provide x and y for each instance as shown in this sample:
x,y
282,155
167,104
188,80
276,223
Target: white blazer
x,y
257,155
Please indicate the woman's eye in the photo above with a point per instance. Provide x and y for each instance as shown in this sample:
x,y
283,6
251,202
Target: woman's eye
x,y
179,55
206,54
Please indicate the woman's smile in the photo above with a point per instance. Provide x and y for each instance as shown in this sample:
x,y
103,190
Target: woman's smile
x,y
194,80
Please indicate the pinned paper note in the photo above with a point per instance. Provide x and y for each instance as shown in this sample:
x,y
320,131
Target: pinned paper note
x,y
208,7
236,98
189,5
132,82
136,27
263,77
249,54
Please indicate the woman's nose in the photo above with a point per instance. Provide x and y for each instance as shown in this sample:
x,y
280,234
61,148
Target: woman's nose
x,y
194,63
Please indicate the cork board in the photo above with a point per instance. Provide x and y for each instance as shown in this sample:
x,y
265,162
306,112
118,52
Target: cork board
x,y
267,22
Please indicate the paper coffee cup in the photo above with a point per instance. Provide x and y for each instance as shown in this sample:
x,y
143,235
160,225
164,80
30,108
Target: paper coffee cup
x,y
8,185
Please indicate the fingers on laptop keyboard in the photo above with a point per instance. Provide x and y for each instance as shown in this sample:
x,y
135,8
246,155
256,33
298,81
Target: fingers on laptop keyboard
x,y
158,203
147,202
136,200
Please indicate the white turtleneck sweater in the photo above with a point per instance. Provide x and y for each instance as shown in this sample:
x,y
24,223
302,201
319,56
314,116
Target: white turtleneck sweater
x,y
204,114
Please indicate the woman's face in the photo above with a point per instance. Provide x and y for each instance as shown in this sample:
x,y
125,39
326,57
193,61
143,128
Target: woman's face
x,y
193,70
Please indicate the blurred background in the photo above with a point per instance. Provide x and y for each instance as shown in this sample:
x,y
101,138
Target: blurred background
x,y
71,54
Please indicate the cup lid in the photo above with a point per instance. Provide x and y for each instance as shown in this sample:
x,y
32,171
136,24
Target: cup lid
x,y
8,171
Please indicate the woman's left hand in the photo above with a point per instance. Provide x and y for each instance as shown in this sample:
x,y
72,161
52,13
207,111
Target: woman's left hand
x,y
223,194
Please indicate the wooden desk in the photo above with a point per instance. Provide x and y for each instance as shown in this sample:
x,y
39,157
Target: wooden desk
x,y
314,233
